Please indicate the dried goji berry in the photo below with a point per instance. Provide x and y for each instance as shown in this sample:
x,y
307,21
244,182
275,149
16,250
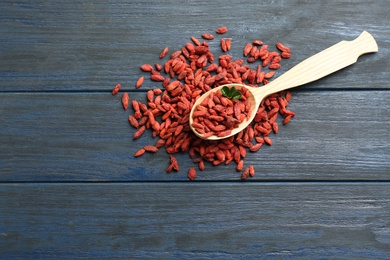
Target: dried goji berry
x,y
196,41
139,152
223,45
285,55
207,36
125,100
282,47
221,30
140,131
150,148
188,76
245,174
140,81
157,77
147,67
191,174
116,89
133,121
164,52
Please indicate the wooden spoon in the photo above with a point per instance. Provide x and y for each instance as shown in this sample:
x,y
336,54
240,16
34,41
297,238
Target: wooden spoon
x,y
317,66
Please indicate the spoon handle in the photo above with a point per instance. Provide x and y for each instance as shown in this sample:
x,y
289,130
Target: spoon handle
x,y
323,63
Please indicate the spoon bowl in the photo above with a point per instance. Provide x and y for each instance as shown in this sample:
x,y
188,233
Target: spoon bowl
x,y
330,60
254,98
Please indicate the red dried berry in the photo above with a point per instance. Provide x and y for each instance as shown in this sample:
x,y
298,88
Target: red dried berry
x,y
191,174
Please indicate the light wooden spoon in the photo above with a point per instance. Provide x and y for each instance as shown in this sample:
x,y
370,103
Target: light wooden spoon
x,y
317,66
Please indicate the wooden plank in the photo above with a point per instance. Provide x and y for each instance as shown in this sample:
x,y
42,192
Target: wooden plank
x,y
91,46
86,137
186,220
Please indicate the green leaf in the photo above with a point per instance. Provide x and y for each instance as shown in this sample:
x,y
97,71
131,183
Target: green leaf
x,y
236,95
225,91
231,93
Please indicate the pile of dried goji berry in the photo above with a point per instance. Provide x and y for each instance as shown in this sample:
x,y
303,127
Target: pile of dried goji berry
x,y
185,76
218,114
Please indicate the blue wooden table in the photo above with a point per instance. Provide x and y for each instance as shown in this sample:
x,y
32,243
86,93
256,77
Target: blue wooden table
x,y
70,186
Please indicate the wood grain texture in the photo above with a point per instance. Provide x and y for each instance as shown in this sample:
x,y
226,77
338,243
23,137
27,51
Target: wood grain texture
x,y
168,220
70,187
86,136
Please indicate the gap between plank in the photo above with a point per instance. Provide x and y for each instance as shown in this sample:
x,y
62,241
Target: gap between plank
x,y
98,91
269,181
